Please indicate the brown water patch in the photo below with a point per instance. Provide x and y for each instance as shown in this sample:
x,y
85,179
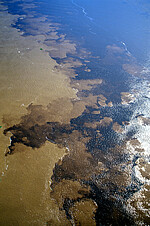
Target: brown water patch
x,y
139,205
84,53
69,63
86,84
60,49
100,124
78,164
133,69
87,70
110,104
82,102
127,98
115,49
36,26
68,189
25,187
117,128
35,135
96,112
27,6
69,196
125,123
135,143
143,120
58,46
106,121
92,125
83,212
102,101
145,171
58,110
68,66
114,55
26,77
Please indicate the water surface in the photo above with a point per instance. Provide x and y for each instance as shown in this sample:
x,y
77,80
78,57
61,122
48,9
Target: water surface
x,y
82,72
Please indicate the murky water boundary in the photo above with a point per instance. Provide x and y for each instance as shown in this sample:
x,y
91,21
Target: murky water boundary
x,y
97,178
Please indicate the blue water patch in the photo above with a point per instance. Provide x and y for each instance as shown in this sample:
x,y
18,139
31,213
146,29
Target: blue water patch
x,y
127,21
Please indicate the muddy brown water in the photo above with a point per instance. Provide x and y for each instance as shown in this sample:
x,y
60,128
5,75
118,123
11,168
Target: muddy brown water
x,y
59,161
26,77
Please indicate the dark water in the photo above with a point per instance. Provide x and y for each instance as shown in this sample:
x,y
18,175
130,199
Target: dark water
x,y
114,34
